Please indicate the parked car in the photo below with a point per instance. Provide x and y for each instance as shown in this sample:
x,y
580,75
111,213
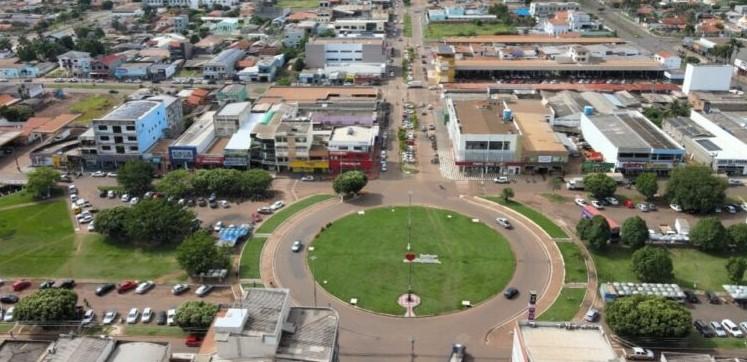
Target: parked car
x,y
501,180
161,318
224,204
691,297
201,202
20,285
597,204
178,289
743,325
265,210
297,246
735,182
132,316
105,289
171,317
704,329
277,205
8,317
98,174
88,317
109,317
712,297
213,204
612,200
502,221
643,207
46,284
67,284
640,354
134,201
510,293
592,315
580,202
675,207
218,225
311,178
203,290
111,174
125,198
147,315
718,328
193,340
9,299
732,328
126,286
144,287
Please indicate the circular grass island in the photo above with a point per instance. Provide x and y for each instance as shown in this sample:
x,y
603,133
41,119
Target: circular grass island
x,y
363,257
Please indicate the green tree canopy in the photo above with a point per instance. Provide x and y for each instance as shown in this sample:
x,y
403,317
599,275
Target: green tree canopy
x,y
47,305
113,222
350,182
135,176
634,232
652,265
157,222
595,231
199,253
738,236
648,316
600,185
695,188
177,183
41,181
253,183
735,268
709,235
195,315
507,193
646,184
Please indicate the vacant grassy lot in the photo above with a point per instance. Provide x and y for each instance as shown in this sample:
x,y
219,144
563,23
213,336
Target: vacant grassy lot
x,y
361,256
249,268
408,26
275,220
566,306
575,268
15,199
546,224
92,107
437,31
298,4
691,267
153,330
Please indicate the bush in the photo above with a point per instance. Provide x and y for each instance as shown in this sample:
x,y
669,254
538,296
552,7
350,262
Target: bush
x,y
47,305
648,316
195,315
709,235
652,265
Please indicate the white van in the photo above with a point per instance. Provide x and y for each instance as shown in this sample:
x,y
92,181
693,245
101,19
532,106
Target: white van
x,y
732,328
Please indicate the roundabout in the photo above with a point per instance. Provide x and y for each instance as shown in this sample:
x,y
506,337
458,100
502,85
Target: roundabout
x,y
362,256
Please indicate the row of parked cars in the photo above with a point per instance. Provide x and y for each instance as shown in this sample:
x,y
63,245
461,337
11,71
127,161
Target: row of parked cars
x,y
724,328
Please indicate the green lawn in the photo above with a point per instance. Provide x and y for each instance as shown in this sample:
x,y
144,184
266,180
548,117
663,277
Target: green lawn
x,y
408,26
437,31
556,198
275,220
575,268
695,340
249,268
690,266
153,330
546,224
361,256
5,327
92,107
298,4
15,199
566,306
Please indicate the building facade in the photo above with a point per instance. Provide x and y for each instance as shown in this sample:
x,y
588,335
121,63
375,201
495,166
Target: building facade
x,y
231,117
323,51
353,148
75,63
128,131
223,65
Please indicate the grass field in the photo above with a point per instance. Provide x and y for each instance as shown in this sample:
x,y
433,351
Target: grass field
x,y
276,219
92,107
691,267
361,256
153,330
566,306
556,198
437,31
298,4
695,340
408,26
15,199
546,224
249,268
575,268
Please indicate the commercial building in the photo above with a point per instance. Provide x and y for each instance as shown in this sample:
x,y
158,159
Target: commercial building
x,y
95,349
75,63
264,70
323,51
546,9
460,14
129,130
174,114
631,142
230,117
483,138
541,150
707,77
349,25
265,326
133,71
715,139
295,147
353,148
223,65
232,93
560,342
611,291
195,140
238,149
565,107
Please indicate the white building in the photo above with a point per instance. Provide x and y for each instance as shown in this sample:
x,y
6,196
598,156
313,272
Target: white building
x,y
553,342
231,117
707,77
359,25
223,65
194,141
668,59
75,63
547,9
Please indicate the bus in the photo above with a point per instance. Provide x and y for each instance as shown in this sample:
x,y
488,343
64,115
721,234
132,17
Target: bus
x,y
588,211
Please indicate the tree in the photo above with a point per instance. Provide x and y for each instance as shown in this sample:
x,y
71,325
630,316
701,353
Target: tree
x,y
595,231
255,183
177,183
694,188
738,236
581,228
634,232
709,235
195,315
158,222
47,305
350,182
652,265
199,253
735,268
194,38
135,176
556,183
646,184
41,181
107,5
600,185
113,222
648,316
5,43
507,193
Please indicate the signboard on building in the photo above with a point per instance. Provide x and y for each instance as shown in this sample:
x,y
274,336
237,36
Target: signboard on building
x,y
324,164
544,159
236,161
182,154
209,160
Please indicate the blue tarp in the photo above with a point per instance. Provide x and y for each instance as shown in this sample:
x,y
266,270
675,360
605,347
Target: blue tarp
x,y
231,235
521,11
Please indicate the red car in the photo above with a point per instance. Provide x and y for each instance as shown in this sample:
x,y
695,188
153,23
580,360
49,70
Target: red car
x,y
20,285
126,285
193,340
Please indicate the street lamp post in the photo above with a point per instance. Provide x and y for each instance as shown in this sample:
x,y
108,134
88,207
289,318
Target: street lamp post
x,y
409,221
312,258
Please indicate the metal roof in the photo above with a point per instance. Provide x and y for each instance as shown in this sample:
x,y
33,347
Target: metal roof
x,y
631,130
132,110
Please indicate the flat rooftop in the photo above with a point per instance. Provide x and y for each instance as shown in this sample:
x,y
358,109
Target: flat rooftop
x,y
549,343
196,134
639,64
533,39
312,94
294,126
265,308
242,139
537,134
630,130
130,111
367,41
314,336
481,117
234,109
7,136
354,134
22,351
218,146
720,136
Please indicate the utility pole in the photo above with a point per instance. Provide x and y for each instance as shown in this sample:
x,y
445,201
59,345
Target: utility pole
x,y
312,258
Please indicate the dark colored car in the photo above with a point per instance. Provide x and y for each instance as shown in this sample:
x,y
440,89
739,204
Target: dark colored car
x,y
704,329
691,297
103,194
105,289
511,293
201,202
161,318
212,197
213,204
9,299
20,285
712,298
126,286
47,284
67,284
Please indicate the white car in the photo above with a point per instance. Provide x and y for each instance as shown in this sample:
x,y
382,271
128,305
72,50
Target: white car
x,y
612,200
743,325
597,205
91,226
110,194
311,178
224,204
134,201
86,219
501,180
109,317
277,205
9,314
218,226
297,246
743,206
132,316
147,315
144,287
83,215
111,174
675,207
98,174
735,182
73,198
171,317
88,317
580,202
125,198
732,328
502,221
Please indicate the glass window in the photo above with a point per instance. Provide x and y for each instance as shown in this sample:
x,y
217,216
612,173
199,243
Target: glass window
x,y
104,138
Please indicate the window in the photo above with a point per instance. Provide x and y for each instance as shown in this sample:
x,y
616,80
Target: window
x,y
343,148
103,128
357,148
117,129
120,149
106,148
133,148
118,139
131,138
130,128
104,138
476,145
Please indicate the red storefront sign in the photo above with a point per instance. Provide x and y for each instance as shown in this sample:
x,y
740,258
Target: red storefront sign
x,y
209,160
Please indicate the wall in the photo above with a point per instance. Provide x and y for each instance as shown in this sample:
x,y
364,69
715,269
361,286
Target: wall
x,y
707,78
150,127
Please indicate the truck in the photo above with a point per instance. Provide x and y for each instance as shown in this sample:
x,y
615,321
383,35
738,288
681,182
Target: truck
x,y
457,353
576,183
682,226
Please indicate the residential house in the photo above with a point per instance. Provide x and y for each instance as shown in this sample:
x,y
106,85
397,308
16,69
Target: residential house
x,y
75,63
293,35
103,66
228,26
264,70
223,66
668,59
10,68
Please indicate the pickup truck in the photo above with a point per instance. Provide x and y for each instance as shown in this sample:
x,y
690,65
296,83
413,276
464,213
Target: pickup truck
x,y
639,354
